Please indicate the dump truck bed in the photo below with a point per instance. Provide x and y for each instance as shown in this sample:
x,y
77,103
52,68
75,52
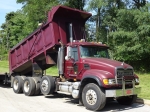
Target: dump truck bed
x,y
42,42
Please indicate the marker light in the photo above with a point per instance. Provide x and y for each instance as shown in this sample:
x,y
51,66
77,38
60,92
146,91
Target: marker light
x,y
137,80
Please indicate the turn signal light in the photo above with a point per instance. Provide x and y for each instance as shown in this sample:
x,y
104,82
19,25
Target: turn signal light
x,y
109,81
105,81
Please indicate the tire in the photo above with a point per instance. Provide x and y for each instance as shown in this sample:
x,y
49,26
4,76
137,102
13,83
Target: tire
x,y
37,81
93,97
29,86
17,84
126,100
47,85
23,77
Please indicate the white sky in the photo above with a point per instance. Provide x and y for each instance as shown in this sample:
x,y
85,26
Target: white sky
x,y
7,6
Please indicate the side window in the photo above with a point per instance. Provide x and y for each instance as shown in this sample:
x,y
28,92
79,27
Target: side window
x,y
74,53
103,53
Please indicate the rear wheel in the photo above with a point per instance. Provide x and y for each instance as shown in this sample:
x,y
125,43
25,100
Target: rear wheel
x,y
29,86
37,81
93,97
127,100
17,84
47,85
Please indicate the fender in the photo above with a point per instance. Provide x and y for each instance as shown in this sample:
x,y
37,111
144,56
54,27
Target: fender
x,y
93,77
97,75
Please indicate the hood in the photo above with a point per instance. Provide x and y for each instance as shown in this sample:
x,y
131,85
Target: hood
x,y
104,63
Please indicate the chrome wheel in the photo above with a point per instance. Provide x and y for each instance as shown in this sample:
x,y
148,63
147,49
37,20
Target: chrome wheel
x,y
26,86
44,85
47,85
91,97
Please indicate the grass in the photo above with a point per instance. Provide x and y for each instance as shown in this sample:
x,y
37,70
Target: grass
x,y
145,84
53,71
144,78
4,66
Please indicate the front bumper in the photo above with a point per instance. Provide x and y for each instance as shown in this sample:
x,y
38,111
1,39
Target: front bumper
x,y
123,92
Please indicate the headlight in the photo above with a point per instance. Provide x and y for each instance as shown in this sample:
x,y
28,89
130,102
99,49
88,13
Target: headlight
x,y
109,81
137,80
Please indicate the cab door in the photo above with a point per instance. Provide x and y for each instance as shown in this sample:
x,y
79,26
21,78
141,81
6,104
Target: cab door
x,y
72,63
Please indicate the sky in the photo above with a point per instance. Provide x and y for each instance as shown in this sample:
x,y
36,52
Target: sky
x,y
7,6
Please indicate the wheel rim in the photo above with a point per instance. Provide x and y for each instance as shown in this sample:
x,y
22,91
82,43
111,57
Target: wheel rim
x,y
26,86
91,97
16,84
44,85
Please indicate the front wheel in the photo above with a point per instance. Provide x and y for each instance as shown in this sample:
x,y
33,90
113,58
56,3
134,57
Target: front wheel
x,y
127,100
47,85
93,97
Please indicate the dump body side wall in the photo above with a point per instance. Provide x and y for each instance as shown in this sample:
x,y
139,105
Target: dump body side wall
x,y
32,47
41,42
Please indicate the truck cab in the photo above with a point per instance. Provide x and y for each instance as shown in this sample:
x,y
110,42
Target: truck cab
x,y
88,67
77,57
85,57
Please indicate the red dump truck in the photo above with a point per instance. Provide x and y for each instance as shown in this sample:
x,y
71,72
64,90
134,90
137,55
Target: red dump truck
x,y
85,70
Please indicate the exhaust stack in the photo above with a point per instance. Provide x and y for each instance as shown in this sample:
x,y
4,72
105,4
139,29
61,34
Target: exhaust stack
x,y
70,32
60,60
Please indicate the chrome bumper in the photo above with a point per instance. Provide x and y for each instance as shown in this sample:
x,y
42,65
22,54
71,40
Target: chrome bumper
x,y
123,91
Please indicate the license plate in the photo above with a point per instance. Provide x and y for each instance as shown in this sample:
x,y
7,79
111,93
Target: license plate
x,y
128,92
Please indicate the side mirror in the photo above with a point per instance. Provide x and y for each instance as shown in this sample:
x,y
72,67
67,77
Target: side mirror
x,y
67,58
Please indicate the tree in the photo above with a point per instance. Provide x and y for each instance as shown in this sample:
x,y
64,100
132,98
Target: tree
x,y
14,28
37,10
139,3
78,4
98,8
131,40
105,13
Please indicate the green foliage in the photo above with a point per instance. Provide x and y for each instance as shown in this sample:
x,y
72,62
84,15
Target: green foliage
x,y
19,23
96,28
14,29
131,40
36,11
124,26
78,4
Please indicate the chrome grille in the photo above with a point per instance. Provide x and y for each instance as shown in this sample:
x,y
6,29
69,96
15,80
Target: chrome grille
x,y
124,72
119,81
120,72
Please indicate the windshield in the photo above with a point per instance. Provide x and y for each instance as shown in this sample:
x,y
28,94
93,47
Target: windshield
x,y
94,51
